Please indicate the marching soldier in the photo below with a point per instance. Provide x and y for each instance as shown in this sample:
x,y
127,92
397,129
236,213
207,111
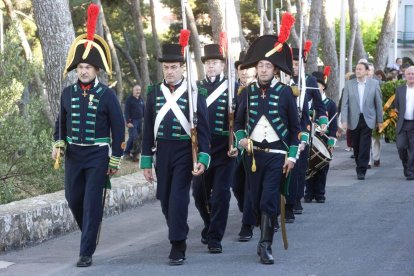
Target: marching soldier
x,y
240,187
267,126
314,99
167,135
212,191
315,186
90,128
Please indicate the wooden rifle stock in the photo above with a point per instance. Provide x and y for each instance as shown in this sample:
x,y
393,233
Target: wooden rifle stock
x,y
231,130
194,148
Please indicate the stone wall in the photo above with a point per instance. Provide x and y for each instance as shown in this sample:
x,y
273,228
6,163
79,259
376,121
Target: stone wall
x,y
34,220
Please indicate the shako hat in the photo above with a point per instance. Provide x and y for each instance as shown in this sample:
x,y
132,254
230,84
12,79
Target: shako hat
x,y
175,52
305,51
90,48
322,77
212,51
171,53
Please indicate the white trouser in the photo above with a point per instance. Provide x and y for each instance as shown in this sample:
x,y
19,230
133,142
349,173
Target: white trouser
x,y
375,150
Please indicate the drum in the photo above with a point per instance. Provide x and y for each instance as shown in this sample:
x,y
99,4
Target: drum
x,y
320,156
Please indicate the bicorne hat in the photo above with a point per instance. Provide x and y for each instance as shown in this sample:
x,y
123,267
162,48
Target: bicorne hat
x,y
257,52
90,48
241,58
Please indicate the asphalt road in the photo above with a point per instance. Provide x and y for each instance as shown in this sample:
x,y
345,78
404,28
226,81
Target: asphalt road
x,y
364,228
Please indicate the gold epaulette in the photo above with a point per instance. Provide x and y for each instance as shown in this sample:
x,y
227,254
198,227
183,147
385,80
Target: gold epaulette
x,y
295,91
240,90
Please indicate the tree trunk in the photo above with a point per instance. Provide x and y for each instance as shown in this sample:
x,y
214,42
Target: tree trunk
x,y
266,22
20,31
115,60
142,45
359,49
216,9
195,41
243,41
329,50
55,27
387,32
302,8
313,35
293,34
353,18
157,45
132,64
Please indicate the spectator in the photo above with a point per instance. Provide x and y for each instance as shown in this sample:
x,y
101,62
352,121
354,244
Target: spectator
x,y
404,98
361,111
401,76
134,113
380,75
397,64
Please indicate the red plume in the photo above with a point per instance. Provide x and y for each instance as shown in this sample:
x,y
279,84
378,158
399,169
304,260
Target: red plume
x,y
287,22
327,71
93,13
184,37
223,41
308,45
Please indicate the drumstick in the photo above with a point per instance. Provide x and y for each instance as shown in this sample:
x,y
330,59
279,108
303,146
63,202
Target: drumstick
x,y
318,128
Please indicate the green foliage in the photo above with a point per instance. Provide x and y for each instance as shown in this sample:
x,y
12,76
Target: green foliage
x,y
250,19
13,74
25,137
370,35
26,168
388,89
370,32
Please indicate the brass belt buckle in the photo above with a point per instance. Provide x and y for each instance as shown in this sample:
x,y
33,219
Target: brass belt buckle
x,y
266,150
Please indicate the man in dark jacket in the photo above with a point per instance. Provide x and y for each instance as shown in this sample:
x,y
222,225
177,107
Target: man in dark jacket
x,y
134,112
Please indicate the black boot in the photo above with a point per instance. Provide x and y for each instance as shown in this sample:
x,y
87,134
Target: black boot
x,y
267,226
246,233
84,261
289,215
297,208
204,234
177,253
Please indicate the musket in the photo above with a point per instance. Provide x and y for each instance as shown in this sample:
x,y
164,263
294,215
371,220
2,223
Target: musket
x,y
60,153
191,88
231,76
301,71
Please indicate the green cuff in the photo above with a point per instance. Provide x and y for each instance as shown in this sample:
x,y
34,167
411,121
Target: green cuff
x,y
59,144
204,158
293,151
323,120
108,184
304,137
331,142
114,162
240,134
145,162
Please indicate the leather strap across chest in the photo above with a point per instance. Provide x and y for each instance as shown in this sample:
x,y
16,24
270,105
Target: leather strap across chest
x,y
171,104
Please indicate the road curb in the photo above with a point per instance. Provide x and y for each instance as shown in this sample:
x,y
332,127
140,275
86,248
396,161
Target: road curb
x,y
34,220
